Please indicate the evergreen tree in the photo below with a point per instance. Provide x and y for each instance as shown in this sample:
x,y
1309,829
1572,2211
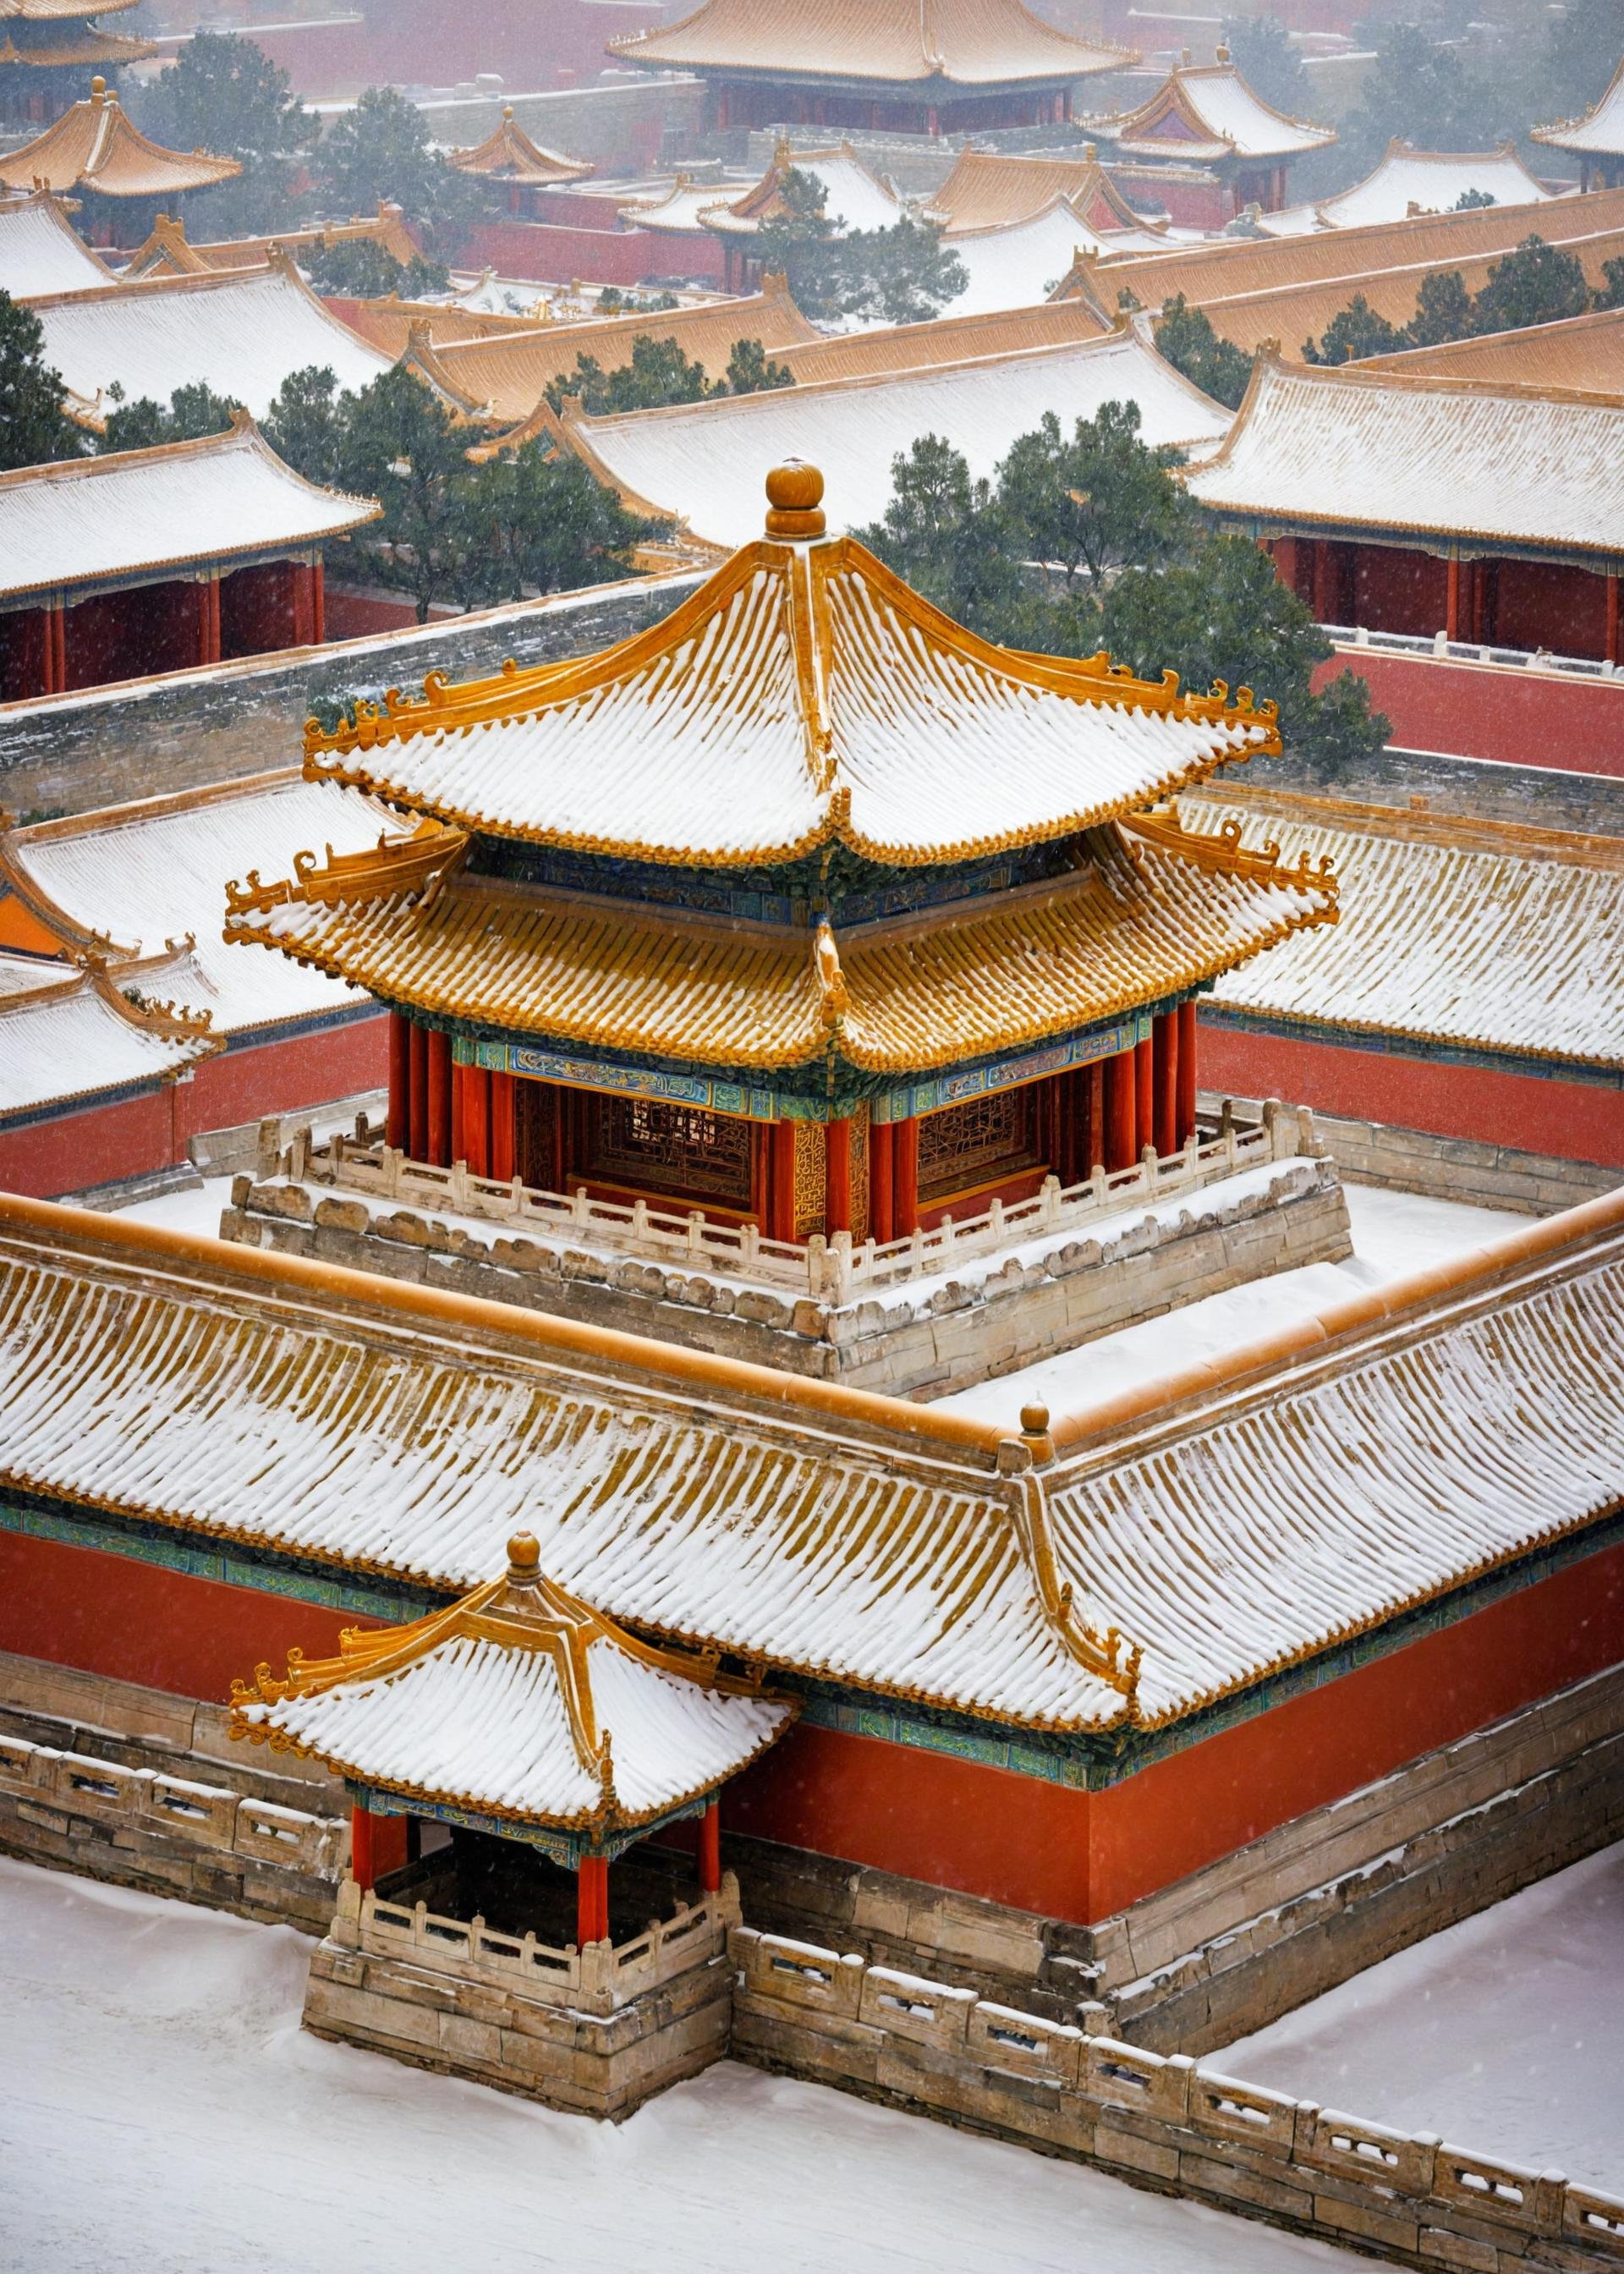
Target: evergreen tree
x,y
903,275
1358,331
304,424
1185,338
1444,311
1581,53
751,371
379,149
1264,53
1472,201
1609,292
946,535
401,447
1423,92
191,412
1093,501
225,94
541,523
34,430
658,373
1538,284
360,268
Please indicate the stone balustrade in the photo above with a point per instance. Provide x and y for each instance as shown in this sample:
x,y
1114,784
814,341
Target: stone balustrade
x,y
1165,2120
833,1270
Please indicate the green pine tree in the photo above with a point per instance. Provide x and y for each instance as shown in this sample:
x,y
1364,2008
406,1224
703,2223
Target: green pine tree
x,y
34,430
1185,338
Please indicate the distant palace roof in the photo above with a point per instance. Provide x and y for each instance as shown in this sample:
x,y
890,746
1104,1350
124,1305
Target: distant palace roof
x,y
521,1703
507,154
1598,134
853,196
241,334
943,340
803,697
890,42
988,189
100,1027
1205,112
169,252
134,513
702,462
1582,356
1016,264
1225,1522
1410,181
92,145
41,252
56,34
1347,447
1522,948
510,374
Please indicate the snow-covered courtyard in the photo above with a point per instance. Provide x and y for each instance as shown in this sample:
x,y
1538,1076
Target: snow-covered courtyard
x,y
1500,2033
161,2111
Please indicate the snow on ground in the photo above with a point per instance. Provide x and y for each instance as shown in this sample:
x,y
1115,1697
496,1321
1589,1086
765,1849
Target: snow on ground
x,y
162,2112
1394,1234
193,1208
1500,2033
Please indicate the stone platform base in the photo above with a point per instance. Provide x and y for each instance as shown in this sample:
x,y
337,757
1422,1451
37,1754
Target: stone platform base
x,y
603,2067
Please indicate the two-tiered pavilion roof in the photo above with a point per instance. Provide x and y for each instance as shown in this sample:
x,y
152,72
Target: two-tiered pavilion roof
x,y
94,147
62,36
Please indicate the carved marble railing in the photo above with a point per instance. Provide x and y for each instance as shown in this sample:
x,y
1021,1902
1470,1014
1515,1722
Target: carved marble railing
x,y
596,1979
834,1270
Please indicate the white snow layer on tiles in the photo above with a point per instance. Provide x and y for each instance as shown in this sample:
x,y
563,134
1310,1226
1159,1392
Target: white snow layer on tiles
x,y
1601,129
21,974
1016,268
704,746
40,254
74,1044
1515,954
1234,114
210,2131
705,462
1428,181
91,517
147,879
1341,446
1499,2033
489,1726
241,335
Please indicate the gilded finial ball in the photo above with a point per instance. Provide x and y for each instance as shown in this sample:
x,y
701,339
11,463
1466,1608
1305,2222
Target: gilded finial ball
x,y
98,88
795,488
1222,54
523,1554
1034,1421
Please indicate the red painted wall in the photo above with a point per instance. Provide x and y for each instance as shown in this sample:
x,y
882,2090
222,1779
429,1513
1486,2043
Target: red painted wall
x,y
1518,718
1039,1847
1571,1119
103,1144
362,615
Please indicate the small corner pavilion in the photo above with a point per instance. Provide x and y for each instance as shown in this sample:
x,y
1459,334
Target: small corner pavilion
x,y
94,148
510,161
804,909
517,1716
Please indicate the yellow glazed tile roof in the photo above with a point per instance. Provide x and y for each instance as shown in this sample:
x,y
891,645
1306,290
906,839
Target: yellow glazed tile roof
x,y
803,697
1150,910
988,189
93,145
944,340
1207,110
968,43
1599,132
1582,356
508,155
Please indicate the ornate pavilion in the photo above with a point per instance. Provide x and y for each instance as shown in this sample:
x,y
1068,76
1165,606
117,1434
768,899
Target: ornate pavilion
x,y
45,43
805,910
901,66
94,148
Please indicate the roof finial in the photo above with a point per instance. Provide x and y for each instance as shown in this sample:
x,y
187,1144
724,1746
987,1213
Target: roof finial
x,y
98,90
523,1560
1221,53
794,496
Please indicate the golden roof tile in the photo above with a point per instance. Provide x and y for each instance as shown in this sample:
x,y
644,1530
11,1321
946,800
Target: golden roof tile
x,y
508,155
966,42
1208,112
93,145
943,340
989,189
1584,355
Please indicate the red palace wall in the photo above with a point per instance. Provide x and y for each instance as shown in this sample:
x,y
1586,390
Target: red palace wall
x,y
1575,1120
1492,710
1039,1846
104,1144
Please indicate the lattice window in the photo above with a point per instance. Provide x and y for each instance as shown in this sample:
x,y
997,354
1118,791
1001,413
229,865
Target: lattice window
x,y
676,1151
978,1143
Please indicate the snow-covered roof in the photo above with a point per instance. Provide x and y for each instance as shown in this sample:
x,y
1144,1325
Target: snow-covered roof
x,y
92,145
1015,265
1443,457
1584,355
140,513
803,697
1410,181
1148,911
511,372
41,252
989,189
1522,947
508,155
853,199
241,334
703,461
682,207
1228,1522
1206,111
521,1703
68,1039
168,251
943,340
897,43
1599,133
148,881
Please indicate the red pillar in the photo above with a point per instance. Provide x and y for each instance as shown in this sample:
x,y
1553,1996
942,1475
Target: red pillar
x,y
318,603
710,1849
417,1095
1165,1114
363,1870
398,1129
209,621
440,1099
1610,649
1185,1123
1144,1095
502,1126
55,647
1093,1149
1121,1111
781,1183
477,1120
459,1093
837,1176
904,1178
1325,582
592,1899
1452,601
881,1203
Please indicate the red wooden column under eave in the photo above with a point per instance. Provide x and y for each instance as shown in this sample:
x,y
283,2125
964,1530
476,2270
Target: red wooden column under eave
x,y
502,1149
477,1120
904,1178
592,1900
1121,1111
1144,1095
1185,1125
438,1099
1164,1045
837,1176
882,1190
397,1131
